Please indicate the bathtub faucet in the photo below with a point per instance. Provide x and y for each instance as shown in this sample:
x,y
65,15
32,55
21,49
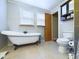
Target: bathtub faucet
x,y
25,32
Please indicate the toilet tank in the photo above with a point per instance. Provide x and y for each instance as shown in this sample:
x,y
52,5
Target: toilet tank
x,y
68,35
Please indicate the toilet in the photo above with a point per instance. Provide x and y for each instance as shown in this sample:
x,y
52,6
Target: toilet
x,y
63,42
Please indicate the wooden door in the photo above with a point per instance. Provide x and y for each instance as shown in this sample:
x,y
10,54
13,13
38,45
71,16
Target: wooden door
x,y
54,26
47,28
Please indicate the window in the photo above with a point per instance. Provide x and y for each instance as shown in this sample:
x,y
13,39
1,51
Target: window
x,y
71,6
26,17
41,19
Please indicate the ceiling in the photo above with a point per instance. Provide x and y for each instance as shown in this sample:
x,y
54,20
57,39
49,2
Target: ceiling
x,y
44,4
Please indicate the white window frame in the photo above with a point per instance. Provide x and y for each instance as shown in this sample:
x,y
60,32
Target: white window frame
x,y
40,19
26,17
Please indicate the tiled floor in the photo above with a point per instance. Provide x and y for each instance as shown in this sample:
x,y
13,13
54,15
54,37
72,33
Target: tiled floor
x,y
48,50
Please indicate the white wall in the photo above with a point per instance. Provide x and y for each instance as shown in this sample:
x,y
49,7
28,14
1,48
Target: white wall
x,y
3,15
14,18
3,21
63,26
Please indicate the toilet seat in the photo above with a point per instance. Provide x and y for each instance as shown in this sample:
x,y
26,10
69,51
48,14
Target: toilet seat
x,y
63,41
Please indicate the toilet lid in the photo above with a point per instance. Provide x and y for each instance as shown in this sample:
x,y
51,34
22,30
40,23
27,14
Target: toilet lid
x,y
63,40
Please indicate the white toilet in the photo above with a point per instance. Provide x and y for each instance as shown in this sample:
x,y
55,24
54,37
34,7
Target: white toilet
x,y
63,42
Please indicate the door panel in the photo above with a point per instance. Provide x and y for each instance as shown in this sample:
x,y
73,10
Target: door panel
x,y
47,28
55,26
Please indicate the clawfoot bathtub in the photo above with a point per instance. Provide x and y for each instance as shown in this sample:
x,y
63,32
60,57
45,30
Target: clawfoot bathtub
x,y
19,38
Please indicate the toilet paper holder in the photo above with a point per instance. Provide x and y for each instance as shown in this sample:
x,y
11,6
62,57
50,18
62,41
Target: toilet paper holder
x,y
71,43
71,46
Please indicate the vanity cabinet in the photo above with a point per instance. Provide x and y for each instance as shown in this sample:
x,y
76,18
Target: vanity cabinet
x,y
67,10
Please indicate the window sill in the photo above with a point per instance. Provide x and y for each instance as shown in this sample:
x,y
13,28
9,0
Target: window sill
x,y
26,24
41,25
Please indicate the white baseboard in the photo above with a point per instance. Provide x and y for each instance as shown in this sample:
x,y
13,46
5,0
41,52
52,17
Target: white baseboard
x,y
54,39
